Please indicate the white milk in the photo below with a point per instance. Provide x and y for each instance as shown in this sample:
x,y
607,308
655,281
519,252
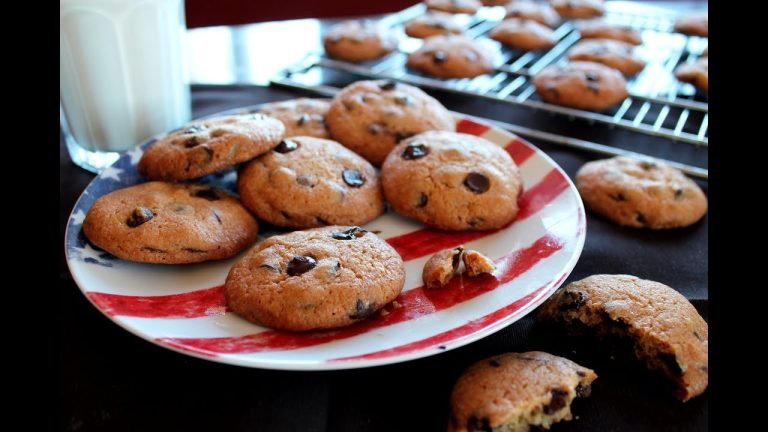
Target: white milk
x,y
122,74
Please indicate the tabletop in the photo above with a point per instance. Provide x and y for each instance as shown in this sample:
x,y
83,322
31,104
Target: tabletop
x,y
112,380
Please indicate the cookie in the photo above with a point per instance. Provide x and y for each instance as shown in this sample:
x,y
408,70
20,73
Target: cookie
x,y
539,12
315,279
640,194
301,116
580,84
477,264
169,223
444,265
358,40
494,2
696,73
517,392
452,56
663,328
526,35
571,9
452,181
308,182
210,145
432,24
599,29
453,6
693,24
616,54
371,117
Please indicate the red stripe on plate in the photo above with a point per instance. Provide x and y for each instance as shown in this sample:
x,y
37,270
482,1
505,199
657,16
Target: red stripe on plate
x,y
193,304
470,127
542,193
519,150
414,303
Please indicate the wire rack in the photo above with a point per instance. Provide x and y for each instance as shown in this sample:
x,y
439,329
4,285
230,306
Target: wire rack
x,y
657,105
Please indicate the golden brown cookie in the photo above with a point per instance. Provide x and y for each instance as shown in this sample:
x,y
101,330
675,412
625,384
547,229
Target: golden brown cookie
x,y
301,116
599,29
432,24
453,56
527,35
581,84
453,6
696,73
168,223
495,2
308,182
210,145
371,117
640,194
315,279
517,392
616,54
359,40
666,331
539,12
452,181
444,265
578,8
694,24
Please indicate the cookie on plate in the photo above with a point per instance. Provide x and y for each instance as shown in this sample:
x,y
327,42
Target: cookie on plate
x,y
696,73
432,24
579,8
454,6
444,265
308,182
616,54
517,392
210,145
527,35
452,181
453,56
302,116
640,194
169,223
359,40
665,330
371,117
693,24
315,279
599,29
539,12
581,84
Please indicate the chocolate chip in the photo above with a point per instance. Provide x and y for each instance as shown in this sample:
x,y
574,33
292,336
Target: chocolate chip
x,y
557,401
475,424
583,391
300,265
206,193
439,56
191,142
375,128
423,199
456,259
477,183
494,363
353,177
679,194
388,85
304,118
362,310
404,100
618,197
139,216
349,234
640,218
415,151
286,146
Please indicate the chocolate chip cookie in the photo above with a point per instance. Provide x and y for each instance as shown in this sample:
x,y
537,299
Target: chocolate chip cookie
x,y
453,6
371,117
452,181
696,73
308,182
640,194
432,24
301,116
517,392
359,40
665,330
168,223
579,8
580,84
539,12
315,279
616,54
206,146
453,56
693,24
446,264
527,35
599,29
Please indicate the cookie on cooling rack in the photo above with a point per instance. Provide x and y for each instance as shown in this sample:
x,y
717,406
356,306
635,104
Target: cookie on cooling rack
x,y
539,12
616,54
315,279
666,332
526,35
302,116
517,392
579,8
452,56
640,194
309,182
207,146
359,40
452,181
693,24
453,6
600,29
580,84
432,24
696,73
169,223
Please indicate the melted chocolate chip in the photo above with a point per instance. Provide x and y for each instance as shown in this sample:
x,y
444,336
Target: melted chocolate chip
x,y
423,199
362,310
415,151
557,401
349,234
300,265
388,85
456,260
139,216
475,424
477,183
286,146
353,177
303,119
439,56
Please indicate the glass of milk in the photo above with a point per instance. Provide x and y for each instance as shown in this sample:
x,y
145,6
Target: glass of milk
x,y
122,75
